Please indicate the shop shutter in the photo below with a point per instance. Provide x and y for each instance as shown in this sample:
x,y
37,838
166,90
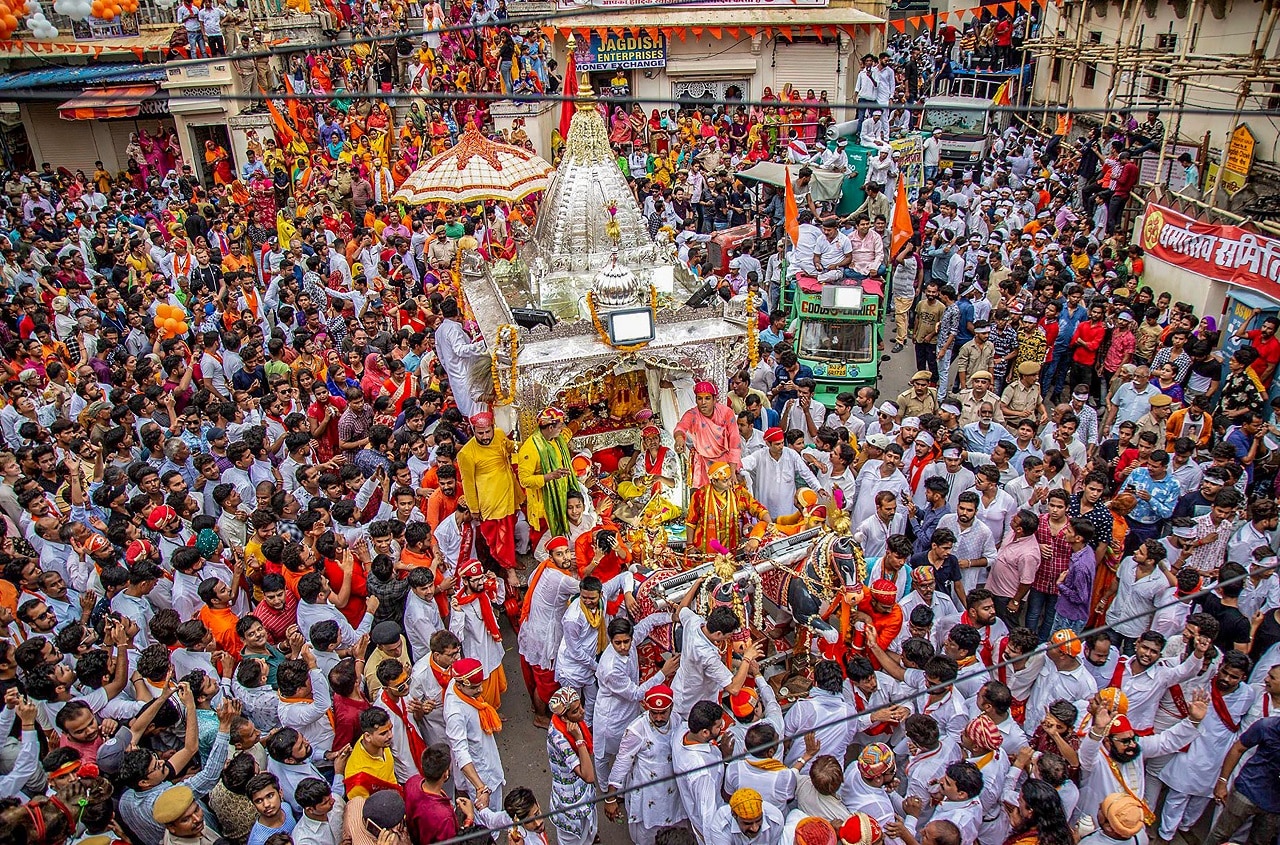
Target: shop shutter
x,y
122,129
806,64
66,143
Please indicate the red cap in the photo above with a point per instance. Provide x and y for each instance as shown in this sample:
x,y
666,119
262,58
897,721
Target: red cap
x,y
470,569
774,435
137,550
1120,725
884,591
160,514
659,697
743,702
468,669
557,543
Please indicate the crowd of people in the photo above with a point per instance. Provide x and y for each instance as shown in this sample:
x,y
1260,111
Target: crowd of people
x,y
266,549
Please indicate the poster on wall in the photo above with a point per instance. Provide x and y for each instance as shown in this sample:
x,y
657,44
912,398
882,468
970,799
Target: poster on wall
x,y
1223,253
92,29
615,52
911,164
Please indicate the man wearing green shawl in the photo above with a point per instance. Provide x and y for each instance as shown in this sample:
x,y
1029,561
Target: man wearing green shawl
x,y
545,473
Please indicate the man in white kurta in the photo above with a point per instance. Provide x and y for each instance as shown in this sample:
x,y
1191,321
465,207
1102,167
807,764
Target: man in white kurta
x,y
583,639
876,476
702,675
644,761
698,764
1230,700
468,621
1144,678
476,761
774,472
619,688
458,355
1063,676
825,712
428,681
551,587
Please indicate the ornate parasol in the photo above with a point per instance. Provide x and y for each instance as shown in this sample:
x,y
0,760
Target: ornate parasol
x,y
476,169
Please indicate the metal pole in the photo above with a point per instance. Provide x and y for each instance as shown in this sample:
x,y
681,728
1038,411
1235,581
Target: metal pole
x,y
1182,98
1245,86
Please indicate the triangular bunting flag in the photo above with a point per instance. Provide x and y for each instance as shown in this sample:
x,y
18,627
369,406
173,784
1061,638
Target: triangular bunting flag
x,y
715,31
943,16
785,32
899,25
681,33
697,31
751,30
1008,7
1026,4
653,34
733,31
928,20
603,32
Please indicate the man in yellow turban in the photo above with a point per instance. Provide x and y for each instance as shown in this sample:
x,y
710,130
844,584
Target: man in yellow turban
x,y
747,814
719,512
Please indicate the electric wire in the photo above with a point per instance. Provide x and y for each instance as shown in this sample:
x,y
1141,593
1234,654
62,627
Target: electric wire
x,y
978,671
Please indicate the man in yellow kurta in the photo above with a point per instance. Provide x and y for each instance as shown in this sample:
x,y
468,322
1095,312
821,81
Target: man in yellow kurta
x,y
484,466
545,474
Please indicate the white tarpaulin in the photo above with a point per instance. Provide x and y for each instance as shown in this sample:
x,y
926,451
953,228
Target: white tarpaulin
x,y
824,187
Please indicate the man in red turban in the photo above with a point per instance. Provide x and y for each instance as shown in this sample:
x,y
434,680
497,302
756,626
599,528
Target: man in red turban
x,y
709,433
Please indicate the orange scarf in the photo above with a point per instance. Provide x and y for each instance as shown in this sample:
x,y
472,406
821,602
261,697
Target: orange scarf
x,y
769,764
486,610
559,724
490,722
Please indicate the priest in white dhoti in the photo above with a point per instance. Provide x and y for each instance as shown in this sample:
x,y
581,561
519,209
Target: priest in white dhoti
x,y
644,764
774,472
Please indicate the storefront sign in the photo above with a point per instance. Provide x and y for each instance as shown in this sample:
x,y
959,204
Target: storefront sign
x,y
637,50
694,4
92,29
1223,253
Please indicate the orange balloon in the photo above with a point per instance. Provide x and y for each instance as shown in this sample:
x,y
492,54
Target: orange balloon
x,y
182,328
96,7
108,14
169,324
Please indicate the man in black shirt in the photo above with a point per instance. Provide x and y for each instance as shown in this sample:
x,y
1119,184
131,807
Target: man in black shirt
x,y
1235,630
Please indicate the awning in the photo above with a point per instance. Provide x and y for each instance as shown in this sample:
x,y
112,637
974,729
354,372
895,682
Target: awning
x,y
825,186
103,103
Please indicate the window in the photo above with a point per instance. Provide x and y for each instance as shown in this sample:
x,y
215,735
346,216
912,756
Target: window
x,y
692,91
829,340
1055,71
1091,70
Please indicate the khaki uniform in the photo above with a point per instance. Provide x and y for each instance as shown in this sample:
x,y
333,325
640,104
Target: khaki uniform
x,y
1147,422
974,359
1023,400
910,405
969,406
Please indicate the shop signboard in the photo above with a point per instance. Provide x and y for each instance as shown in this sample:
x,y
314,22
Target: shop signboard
x,y
569,5
1226,254
614,52
911,160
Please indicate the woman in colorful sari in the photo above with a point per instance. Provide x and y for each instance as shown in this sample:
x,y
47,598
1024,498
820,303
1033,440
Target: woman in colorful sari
x,y
738,133
619,127
218,162
440,135
639,125
375,373
657,134
810,129
337,377
399,384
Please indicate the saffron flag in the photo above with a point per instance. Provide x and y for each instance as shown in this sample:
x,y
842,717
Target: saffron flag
x,y
791,211
1064,124
291,103
1001,97
570,89
284,135
902,230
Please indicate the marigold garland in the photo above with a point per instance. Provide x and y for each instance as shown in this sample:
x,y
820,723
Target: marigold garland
x,y
514,348
753,332
604,333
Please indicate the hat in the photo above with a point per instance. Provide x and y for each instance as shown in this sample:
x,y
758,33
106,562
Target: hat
x,y
746,803
385,633
563,699
557,543
720,469
171,804
384,808
1120,724
1184,532
650,431
879,441
468,670
884,591
1028,368
875,760
95,408
1124,814
1115,699
983,734
207,541
924,437
952,452
888,409
922,375
470,569
743,702
96,543
659,697
1160,400
705,388
923,575
735,261
1067,640
774,435
860,829
814,830
484,418
985,374
1030,318
215,433
550,416
1121,292
137,550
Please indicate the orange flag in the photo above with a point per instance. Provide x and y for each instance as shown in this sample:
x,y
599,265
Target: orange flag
x,y
791,211
284,135
291,103
902,230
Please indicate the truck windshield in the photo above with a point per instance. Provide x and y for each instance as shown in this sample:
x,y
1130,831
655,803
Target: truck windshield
x,y
830,340
955,121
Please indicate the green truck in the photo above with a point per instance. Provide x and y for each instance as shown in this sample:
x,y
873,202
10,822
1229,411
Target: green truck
x,y
836,332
